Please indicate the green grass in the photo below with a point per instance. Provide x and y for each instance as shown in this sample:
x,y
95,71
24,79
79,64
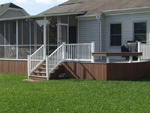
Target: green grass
x,y
73,96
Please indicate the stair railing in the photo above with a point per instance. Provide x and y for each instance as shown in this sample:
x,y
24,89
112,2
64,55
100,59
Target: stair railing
x,y
55,59
35,59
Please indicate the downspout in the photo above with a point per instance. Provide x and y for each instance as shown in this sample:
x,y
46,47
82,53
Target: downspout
x,y
98,17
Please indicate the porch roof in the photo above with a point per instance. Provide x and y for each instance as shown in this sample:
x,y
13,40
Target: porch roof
x,y
92,7
40,16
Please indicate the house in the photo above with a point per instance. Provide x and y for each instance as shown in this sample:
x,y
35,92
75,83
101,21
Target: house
x,y
11,10
63,35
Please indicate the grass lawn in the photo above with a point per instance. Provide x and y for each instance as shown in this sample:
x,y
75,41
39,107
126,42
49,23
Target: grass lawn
x,y
73,96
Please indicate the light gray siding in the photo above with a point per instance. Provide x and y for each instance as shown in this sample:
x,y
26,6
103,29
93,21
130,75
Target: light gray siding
x,y
10,13
127,21
89,30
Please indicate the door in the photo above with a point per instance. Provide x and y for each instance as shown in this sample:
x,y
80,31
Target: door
x,y
72,34
63,33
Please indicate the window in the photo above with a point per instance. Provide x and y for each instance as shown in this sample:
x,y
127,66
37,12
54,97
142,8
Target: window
x,y
140,31
115,34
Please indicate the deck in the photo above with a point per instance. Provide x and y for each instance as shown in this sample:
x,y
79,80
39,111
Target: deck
x,y
115,70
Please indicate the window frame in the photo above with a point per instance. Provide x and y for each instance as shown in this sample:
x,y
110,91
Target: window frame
x,y
115,34
134,29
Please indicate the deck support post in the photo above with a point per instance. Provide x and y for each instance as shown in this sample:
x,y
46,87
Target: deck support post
x,y
64,51
107,59
139,50
130,59
29,66
139,46
139,58
92,51
47,67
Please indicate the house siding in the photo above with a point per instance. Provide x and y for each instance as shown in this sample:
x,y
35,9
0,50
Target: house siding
x,y
10,13
127,21
89,30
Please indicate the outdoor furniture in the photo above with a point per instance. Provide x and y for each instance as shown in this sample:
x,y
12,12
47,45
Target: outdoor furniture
x,y
130,54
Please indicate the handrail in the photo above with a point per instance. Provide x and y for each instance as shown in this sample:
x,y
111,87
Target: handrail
x,y
37,51
55,58
35,59
56,50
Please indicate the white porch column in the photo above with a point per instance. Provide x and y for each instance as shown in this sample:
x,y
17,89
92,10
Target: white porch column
x,y
44,52
17,52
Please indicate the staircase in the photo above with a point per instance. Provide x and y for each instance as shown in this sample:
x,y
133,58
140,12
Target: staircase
x,y
40,72
42,67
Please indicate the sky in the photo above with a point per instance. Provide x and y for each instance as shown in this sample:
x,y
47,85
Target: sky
x,y
34,7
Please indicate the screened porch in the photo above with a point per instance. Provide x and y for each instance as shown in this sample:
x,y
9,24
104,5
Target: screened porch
x,y
20,37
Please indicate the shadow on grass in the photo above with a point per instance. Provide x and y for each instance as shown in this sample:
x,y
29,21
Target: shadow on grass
x,y
74,80
145,79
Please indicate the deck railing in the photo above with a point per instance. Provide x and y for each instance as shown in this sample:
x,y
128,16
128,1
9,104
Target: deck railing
x,y
35,59
69,52
78,52
65,52
145,49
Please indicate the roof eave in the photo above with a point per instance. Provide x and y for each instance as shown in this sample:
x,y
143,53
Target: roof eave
x,y
40,16
126,11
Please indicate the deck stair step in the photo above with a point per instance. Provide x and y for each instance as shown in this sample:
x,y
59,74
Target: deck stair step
x,y
40,68
49,65
38,76
40,72
43,69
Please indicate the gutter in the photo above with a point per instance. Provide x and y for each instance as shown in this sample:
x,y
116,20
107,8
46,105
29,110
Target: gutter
x,y
126,11
40,16
116,10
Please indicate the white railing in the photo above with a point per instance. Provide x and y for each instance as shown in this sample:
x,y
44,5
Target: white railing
x,y
69,52
54,60
65,52
35,59
145,49
78,52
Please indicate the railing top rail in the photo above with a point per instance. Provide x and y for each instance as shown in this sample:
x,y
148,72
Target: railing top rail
x,y
145,44
79,44
56,50
36,51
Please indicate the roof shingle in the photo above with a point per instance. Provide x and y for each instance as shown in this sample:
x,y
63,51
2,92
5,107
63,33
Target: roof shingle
x,y
95,6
